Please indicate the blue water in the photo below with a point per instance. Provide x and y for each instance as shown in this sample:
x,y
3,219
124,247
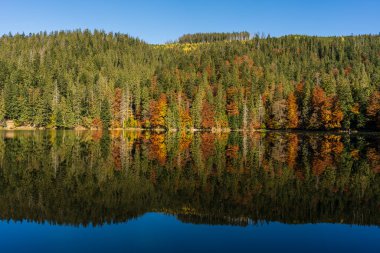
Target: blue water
x,y
155,232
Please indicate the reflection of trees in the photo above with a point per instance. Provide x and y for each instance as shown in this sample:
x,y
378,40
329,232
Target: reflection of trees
x,y
157,148
93,177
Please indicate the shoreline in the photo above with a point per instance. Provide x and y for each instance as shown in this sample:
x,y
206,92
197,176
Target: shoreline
x,y
193,130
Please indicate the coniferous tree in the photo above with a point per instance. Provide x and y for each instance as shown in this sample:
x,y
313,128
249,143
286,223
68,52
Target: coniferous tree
x,y
244,83
105,114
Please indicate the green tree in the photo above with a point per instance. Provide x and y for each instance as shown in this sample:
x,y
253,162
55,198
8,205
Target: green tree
x,y
105,114
345,101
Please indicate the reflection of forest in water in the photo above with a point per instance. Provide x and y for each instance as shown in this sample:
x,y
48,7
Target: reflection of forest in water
x,y
69,177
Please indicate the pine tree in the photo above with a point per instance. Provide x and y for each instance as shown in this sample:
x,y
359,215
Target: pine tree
x,y
345,101
221,120
105,114
2,106
241,84
196,109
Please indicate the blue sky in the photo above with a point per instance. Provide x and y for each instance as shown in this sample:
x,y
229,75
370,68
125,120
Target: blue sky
x,y
165,20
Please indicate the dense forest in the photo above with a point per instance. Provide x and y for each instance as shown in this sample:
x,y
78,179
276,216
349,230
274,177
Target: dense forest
x,y
211,81
98,177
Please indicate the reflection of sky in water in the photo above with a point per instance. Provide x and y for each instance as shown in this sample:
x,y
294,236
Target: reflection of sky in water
x,y
162,233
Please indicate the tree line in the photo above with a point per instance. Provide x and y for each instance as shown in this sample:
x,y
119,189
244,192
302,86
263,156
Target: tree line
x,y
97,80
213,37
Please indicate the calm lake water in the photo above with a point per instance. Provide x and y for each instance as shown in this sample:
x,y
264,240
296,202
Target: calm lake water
x,y
67,191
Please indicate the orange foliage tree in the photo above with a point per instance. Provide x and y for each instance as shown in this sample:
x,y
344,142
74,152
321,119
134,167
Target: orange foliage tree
x,y
292,111
157,148
185,119
332,115
326,110
318,99
292,150
158,111
97,123
330,147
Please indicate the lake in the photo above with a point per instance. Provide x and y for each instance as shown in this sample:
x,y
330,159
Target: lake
x,y
123,191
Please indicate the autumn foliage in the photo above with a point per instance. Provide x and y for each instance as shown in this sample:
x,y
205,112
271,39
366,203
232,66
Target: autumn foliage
x,y
373,109
208,145
208,115
158,111
232,107
97,123
185,119
289,82
326,110
292,111
157,148
116,108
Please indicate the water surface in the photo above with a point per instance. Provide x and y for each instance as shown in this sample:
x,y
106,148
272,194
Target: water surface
x,y
67,191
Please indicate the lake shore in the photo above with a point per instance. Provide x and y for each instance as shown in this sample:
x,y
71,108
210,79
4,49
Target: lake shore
x,y
192,130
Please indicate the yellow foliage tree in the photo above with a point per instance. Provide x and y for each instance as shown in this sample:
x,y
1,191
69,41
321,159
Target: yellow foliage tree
x,y
292,111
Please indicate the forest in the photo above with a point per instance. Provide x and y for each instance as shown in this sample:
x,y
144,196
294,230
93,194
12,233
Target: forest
x,y
216,81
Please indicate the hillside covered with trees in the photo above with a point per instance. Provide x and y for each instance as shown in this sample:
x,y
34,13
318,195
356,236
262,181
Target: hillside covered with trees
x,y
101,80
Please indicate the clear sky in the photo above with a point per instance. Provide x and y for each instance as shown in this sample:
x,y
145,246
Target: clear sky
x,y
164,20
